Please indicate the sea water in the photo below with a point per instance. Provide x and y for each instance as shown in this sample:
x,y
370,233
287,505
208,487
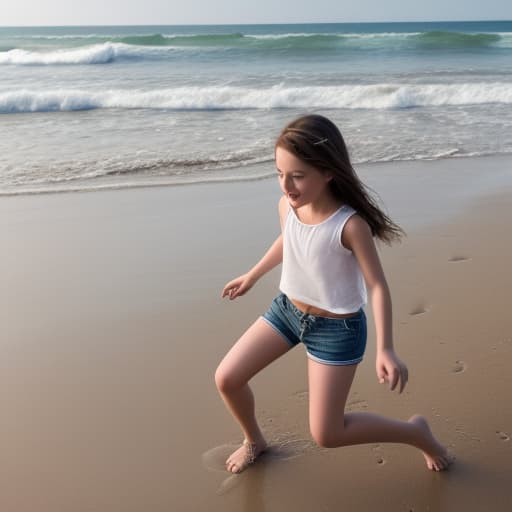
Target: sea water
x,y
89,108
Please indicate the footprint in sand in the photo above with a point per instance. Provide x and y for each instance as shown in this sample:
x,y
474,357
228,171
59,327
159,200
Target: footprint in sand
x,y
459,367
377,448
463,432
458,259
301,395
503,436
419,310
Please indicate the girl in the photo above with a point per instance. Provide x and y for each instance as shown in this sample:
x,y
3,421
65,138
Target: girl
x,y
328,222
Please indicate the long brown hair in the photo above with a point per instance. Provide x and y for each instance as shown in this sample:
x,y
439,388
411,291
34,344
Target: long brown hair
x,y
317,141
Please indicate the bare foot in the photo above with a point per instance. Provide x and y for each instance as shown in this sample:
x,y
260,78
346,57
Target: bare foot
x,y
437,458
244,456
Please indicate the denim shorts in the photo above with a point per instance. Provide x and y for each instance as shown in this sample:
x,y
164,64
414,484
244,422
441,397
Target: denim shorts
x,y
336,341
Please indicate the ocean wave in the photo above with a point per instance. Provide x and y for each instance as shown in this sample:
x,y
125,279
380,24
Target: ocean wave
x,y
439,39
93,49
96,54
78,49
182,39
423,40
348,35
380,96
103,53
392,40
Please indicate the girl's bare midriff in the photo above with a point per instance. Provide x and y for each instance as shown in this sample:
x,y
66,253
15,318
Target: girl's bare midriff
x,y
312,310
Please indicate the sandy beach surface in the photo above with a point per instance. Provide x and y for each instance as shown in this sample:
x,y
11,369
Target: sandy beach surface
x,y
112,326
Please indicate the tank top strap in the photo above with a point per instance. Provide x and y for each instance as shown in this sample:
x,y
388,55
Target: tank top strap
x,y
346,213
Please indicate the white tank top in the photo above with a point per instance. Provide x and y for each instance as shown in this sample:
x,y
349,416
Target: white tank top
x,y
317,268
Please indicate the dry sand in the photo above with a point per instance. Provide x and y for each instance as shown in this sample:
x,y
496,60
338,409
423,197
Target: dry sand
x,y
112,326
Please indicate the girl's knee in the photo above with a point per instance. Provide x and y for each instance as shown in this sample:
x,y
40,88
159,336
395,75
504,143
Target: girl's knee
x,y
221,379
326,437
227,380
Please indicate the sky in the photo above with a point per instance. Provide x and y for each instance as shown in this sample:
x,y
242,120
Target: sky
x,y
189,12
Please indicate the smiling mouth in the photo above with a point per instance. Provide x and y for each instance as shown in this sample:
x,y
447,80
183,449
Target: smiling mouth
x,y
293,196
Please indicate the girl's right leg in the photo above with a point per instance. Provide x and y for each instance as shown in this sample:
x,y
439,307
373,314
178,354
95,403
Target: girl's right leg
x,y
257,348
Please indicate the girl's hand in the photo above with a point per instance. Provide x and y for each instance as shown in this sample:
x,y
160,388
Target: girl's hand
x,y
238,286
391,370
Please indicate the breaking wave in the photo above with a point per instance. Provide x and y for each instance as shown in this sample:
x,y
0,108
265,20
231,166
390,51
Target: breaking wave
x,y
103,53
380,96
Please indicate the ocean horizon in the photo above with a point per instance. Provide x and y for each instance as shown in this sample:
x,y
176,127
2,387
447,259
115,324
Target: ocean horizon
x,y
188,25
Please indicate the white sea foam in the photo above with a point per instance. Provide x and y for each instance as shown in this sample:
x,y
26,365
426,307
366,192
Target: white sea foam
x,y
381,96
506,39
333,34
94,54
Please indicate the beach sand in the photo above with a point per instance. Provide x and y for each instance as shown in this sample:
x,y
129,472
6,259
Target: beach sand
x,y
112,327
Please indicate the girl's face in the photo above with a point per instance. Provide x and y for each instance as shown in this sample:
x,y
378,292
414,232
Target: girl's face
x,y
300,182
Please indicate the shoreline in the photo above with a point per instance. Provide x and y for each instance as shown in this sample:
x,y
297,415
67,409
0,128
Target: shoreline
x,y
113,325
367,168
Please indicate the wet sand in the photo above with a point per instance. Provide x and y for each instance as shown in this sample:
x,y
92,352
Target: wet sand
x,y
112,326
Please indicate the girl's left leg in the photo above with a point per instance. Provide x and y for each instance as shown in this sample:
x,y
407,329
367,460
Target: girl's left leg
x,y
329,386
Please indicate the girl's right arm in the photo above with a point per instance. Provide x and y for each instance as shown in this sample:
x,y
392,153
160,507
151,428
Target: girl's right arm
x,y
273,257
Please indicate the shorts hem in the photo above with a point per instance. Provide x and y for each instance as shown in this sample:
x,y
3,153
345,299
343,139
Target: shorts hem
x,y
348,362
278,331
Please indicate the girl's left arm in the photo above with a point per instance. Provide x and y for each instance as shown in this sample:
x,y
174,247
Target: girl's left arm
x,y
358,238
